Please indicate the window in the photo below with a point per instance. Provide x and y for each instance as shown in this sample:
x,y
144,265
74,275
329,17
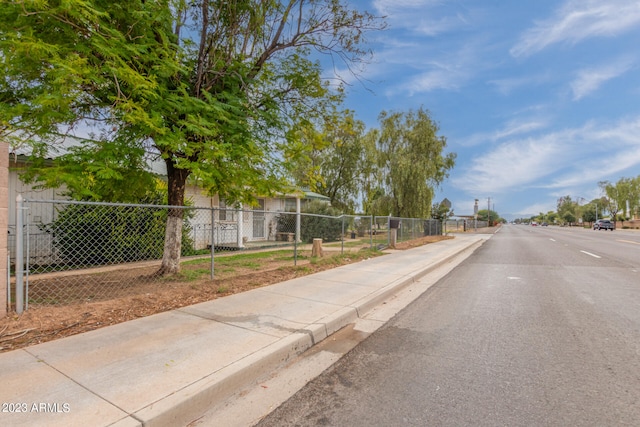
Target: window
x,y
226,214
289,205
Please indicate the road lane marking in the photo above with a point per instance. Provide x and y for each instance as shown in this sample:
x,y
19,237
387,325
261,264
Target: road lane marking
x,y
628,241
553,240
590,254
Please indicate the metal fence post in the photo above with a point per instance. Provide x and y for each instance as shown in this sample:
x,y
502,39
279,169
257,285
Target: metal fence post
x,y
8,282
295,240
27,251
342,237
19,256
213,245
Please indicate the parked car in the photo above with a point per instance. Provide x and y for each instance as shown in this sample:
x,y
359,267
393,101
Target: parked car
x,y
604,224
544,224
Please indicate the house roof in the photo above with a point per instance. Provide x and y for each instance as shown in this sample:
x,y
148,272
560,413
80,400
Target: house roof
x,y
311,195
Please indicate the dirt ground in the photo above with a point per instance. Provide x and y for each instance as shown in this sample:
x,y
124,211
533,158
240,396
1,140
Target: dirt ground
x,y
44,323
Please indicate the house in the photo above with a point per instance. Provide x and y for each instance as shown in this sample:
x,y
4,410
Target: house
x,y
237,226
213,219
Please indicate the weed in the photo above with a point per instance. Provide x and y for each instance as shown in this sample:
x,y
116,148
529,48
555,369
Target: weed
x,y
190,275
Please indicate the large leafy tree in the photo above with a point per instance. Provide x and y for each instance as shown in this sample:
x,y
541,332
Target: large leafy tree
x,y
208,87
567,208
591,211
624,193
613,198
411,156
333,159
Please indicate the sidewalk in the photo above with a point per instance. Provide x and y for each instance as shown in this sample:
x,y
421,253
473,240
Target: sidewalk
x,y
165,369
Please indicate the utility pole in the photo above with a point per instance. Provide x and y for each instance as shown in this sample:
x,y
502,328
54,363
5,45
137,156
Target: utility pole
x,y
488,211
475,215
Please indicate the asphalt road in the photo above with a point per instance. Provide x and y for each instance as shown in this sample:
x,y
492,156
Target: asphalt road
x,y
539,327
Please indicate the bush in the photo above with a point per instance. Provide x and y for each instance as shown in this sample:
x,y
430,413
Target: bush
x,y
103,234
321,225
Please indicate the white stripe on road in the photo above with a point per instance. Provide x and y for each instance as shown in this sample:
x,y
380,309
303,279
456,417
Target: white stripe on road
x,y
590,254
629,241
553,240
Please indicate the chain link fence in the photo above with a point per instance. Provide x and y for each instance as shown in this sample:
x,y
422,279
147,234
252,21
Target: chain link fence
x,y
414,228
462,225
65,252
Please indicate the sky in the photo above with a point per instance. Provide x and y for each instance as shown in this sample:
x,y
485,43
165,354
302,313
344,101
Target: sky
x,y
538,99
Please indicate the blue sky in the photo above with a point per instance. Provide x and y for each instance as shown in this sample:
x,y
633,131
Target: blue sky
x,y
539,99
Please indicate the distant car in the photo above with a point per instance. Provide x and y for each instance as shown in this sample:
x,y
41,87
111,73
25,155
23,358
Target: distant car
x,y
604,224
544,224
534,224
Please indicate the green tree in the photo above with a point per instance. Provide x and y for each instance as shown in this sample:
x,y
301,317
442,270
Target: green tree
x,y
567,208
634,197
551,217
410,154
110,173
591,211
375,201
569,217
441,211
333,164
207,87
488,215
613,199
340,165
625,192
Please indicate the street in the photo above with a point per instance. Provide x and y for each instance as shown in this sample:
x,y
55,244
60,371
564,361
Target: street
x,y
540,326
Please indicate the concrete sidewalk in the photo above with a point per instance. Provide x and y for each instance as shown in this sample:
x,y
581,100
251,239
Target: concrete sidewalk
x,y
165,369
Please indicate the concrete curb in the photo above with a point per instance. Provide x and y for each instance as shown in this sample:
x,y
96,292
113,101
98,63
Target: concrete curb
x,y
172,368
180,407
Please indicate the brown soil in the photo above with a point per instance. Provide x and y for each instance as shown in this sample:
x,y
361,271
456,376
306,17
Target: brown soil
x,y
41,323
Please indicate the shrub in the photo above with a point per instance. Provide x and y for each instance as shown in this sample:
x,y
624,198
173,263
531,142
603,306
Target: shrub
x,y
322,224
85,234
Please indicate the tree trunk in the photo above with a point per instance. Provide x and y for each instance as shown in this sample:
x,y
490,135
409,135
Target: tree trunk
x,y
177,182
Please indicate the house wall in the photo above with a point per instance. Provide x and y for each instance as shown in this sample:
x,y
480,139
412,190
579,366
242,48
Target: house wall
x,y
38,213
234,227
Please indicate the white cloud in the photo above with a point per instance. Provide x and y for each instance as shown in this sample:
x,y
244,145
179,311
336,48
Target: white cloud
x,y
436,70
595,170
577,20
576,156
589,80
535,209
432,80
432,28
511,128
518,127
511,165
507,85
414,15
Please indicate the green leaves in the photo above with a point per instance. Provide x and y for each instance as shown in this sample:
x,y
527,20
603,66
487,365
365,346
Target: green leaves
x,y
210,87
411,154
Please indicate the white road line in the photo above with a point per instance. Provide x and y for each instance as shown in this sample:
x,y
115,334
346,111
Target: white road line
x,y
553,240
628,241
590,254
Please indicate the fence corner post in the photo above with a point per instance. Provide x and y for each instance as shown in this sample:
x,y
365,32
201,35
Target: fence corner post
x,y
371,231
19,256
213,243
